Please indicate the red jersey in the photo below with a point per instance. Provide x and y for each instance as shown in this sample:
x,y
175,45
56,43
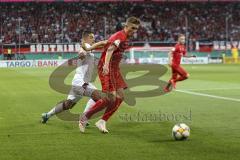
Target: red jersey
x,y
119,39
178,51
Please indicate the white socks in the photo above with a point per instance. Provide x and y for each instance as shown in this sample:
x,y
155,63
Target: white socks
x,y
57,109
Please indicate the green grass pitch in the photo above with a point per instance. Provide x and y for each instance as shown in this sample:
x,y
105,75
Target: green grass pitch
x,y
213,96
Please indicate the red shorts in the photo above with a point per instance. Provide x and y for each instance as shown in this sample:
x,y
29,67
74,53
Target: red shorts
x,y
178,70
112,81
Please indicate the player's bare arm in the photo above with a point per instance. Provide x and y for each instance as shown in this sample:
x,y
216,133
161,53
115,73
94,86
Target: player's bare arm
x,y
170,58
109,53
170,55
97,45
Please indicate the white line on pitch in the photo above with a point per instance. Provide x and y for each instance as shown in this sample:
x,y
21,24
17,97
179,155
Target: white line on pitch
x,y
209,95
210,89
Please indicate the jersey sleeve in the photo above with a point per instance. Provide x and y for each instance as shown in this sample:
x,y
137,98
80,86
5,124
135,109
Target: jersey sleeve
x,y
87,46
115,40
174,49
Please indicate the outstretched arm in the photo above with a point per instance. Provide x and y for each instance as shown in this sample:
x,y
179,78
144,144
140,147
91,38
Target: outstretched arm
x,y
100,44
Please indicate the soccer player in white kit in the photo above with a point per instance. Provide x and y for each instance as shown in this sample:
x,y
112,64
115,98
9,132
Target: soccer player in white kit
x,y
81,85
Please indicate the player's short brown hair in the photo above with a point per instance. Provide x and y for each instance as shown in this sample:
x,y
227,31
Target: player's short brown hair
x,y
133,20
181,35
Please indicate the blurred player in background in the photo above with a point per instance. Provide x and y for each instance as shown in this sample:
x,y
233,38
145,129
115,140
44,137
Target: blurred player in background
x,y
234,51
81,85
174,57
109,74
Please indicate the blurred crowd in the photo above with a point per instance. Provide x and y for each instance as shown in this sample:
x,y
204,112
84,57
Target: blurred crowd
x,y
64,22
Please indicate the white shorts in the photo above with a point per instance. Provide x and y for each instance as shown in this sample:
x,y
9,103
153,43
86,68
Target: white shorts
x,y
78,91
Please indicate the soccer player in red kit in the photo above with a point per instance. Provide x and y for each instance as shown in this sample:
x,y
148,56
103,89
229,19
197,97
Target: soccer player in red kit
x,y
175,56
111,79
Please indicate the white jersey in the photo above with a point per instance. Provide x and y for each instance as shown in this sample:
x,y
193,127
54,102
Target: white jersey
x,y
85,67
83,75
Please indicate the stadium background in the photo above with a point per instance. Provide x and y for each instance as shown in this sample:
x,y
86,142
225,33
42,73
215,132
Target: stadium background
x,y
208,101
52,31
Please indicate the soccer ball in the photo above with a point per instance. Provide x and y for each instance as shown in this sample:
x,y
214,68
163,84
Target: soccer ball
x,y
180,131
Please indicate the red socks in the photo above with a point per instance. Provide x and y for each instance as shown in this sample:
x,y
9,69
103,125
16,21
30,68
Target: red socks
x,y
181,78
111,109
99,105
